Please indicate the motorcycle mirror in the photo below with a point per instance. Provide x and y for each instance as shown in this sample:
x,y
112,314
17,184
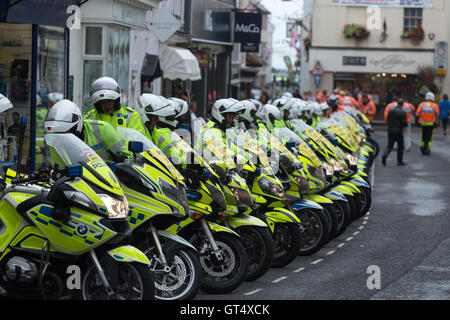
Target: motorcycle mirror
x,y
74,171
135,146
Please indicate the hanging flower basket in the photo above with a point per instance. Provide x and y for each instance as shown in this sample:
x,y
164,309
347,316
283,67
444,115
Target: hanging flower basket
x,y
355,31
416,35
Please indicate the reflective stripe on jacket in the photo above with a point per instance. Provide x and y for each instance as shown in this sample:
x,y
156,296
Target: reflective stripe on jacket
x,y
427,112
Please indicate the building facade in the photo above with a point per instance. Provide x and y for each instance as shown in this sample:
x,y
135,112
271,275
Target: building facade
x,y
390,60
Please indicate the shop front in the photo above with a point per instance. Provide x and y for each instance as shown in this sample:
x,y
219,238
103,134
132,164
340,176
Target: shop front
x,y
381,73
33,75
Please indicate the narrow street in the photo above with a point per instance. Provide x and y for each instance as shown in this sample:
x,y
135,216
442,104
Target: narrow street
x,y
406,234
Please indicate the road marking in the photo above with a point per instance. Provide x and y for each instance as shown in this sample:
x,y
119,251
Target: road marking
x,y
364,222
355,233
360,228
366,218
349,239
317,261
299,270
252,292
331,252
279,279
341,245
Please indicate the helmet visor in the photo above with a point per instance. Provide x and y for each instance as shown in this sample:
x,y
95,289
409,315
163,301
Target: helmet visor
x,y
61,115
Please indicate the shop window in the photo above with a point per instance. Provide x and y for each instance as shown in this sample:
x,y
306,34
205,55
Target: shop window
x,y
50,86
412,18
94,41
118,59
15,84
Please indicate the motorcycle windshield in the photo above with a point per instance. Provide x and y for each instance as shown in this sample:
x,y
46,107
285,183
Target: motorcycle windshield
x,y
129,134
67,149
285,135
182,145
209,144
269,141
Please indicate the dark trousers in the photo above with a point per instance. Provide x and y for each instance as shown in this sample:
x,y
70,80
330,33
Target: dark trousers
x,y
444,124
427,136
393,137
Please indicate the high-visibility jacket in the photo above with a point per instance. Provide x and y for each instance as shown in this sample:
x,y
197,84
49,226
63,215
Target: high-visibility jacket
x,y
389,107
349,101
124,117
427,113
161,138
409,109
321,97
369,110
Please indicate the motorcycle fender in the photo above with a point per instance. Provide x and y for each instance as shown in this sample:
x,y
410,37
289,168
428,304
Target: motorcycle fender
x,y
360,182
317,198
335,195
246,220
128,254
306,204
175,238
282,216
361,174
351,185
344,190
218,228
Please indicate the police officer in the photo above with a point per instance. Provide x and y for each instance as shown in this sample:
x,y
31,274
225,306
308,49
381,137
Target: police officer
x,y
105,96
65,117
396,120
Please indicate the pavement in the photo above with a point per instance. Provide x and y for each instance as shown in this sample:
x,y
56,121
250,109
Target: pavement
x,y
405,238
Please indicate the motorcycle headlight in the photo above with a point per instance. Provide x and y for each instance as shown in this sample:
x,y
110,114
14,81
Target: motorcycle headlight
x,y
81,199
303,183
317,172
270,187
329,170
242,196
116,208
352,159
337,166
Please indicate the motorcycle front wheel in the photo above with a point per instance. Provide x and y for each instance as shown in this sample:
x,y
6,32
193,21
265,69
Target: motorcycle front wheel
x,y
314,228
223,276
135,282
287,239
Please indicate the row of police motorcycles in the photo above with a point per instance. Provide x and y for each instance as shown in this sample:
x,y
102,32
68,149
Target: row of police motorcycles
x,y
236,205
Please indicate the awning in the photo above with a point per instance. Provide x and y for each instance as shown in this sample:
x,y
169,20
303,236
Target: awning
x,y
179,63
151,67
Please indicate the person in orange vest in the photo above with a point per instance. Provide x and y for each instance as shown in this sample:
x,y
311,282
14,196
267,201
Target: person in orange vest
x,y
428,115
409,109
389,107
367,107
322,96
348,101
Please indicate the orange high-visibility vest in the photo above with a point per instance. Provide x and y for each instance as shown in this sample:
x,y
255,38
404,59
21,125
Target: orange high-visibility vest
x,y
321,97
409,109
427,112
389,107
369,110
348,101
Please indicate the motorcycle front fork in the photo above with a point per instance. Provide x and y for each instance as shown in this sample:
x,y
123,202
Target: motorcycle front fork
x,y
159,250
207,231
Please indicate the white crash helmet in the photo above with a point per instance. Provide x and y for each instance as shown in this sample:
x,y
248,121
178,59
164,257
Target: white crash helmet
x,y
105,88
5,104
430,96
287,95
222,106
259,114
306,111
284,103
181,106
149,104
250,110
63,117
271,113
317,109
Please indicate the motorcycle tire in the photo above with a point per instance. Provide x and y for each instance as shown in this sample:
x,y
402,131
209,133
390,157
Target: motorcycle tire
x,y
332,219
132,276
366,200
258,244
314,228
354,211
375,146
184,279
224,277
287,239
343,208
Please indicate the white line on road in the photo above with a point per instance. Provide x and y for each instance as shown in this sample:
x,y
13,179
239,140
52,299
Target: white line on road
x,y
279,279
299,270
364,222
341,245
317,261
360,228
349,239
252,292
355,233
331,252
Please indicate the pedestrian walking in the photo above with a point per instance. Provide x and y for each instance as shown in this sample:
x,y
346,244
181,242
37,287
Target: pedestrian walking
x,y
428,115
396,120
444,107
409,109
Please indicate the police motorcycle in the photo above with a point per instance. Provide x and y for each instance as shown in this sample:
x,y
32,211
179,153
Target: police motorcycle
x,y
266,191
254,233
156,194
72,222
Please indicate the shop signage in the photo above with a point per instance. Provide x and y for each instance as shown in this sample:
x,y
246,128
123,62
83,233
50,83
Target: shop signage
x,y
354,61
249,47
441,55
203,59
392,61
385,3
163,24
247,27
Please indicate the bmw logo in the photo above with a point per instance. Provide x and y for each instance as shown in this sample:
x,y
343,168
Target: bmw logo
x,y
82,230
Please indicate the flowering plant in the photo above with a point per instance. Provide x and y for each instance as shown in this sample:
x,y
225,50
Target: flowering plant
x,y
355,31
415,34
